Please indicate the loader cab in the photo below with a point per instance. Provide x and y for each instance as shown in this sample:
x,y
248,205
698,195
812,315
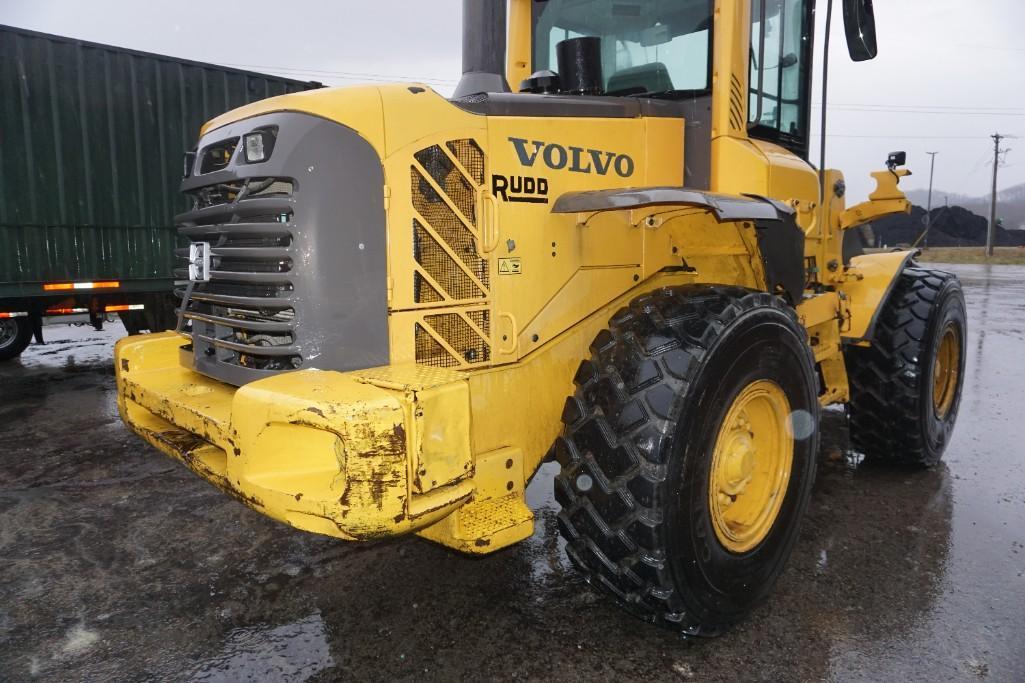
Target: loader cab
x,y
738,69
665,49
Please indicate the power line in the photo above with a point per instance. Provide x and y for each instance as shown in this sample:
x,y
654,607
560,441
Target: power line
x,y
1019,111
877,105
909,137
346,74
928,112
982,162
993,47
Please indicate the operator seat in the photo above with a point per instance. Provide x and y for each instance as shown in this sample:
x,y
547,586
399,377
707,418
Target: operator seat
x,y
653,77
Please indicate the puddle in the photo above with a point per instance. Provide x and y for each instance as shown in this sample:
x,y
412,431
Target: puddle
x,y
292,652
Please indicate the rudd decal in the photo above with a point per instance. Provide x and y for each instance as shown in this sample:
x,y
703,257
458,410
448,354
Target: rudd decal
x,y
518,188
573,159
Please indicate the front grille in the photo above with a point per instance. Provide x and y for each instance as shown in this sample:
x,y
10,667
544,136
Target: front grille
x,y
245,314
298,246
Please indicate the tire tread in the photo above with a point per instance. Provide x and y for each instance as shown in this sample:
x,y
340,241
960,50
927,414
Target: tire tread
x,y
663,337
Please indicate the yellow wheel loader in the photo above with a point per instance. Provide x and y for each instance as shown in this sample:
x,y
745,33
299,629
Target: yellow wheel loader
x,y
608,248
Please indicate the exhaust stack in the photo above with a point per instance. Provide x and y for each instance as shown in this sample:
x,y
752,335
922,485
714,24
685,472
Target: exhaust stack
x,y
484,26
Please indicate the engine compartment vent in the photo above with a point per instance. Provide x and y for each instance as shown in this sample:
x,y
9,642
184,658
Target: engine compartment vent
x,y
450,269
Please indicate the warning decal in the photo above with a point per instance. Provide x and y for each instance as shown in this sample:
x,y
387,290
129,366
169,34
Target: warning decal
x,y
509,266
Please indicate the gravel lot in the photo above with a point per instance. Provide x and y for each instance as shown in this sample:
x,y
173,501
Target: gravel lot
x,y
116,563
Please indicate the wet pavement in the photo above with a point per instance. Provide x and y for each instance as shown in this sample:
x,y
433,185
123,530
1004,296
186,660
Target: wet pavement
x,y
118,564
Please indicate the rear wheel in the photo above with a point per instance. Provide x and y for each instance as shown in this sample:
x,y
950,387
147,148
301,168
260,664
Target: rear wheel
x,y
15,335
688,454
906,387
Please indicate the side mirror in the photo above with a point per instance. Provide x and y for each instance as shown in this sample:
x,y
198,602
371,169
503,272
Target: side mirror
x,y
860,25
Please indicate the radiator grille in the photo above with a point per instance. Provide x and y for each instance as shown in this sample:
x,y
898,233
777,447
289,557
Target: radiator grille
x,y
245,311
446,182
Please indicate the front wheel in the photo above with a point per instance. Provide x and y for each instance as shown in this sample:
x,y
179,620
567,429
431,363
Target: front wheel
x,y
906,386
688,454
15,335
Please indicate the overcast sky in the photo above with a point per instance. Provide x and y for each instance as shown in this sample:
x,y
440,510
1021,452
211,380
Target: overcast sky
x,y
949,72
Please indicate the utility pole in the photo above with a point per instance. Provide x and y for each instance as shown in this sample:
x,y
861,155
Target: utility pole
x,y
928,208
991,233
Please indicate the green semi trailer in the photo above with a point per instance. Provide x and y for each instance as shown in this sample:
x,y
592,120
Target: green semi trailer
x,y
91,145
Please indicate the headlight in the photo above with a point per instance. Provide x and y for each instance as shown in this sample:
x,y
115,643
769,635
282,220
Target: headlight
x,y
188,163
258,145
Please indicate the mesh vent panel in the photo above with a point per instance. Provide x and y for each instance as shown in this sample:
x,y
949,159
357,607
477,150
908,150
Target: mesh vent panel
x,y
458,334
430,352
439,265
450,180
444,221
470,156
423,292
481,319
445,248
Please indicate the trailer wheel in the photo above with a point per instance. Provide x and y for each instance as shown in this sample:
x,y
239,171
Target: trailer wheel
x,y
15,335
133,321
906,387
688,454
160,312
158,316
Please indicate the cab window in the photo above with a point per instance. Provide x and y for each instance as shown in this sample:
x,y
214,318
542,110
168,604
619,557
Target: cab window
x,y
649,47
780,79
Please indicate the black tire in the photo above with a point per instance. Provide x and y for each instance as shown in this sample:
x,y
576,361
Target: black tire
x,y
642,425
15,335
158,316
134,322
160,312
892,413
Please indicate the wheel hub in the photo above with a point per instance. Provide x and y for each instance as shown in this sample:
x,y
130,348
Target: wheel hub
x,y
739,463
946,369
8,331
751,464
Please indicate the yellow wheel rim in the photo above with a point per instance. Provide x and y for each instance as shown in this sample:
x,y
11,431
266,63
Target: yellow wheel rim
x,y
946,370
751,463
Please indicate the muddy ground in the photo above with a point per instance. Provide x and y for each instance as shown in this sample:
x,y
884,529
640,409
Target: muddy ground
x,y
118,564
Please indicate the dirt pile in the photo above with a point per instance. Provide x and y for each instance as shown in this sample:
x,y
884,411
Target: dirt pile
x,y
952,226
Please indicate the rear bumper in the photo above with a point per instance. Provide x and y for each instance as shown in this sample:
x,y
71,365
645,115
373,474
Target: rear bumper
x,y
355,455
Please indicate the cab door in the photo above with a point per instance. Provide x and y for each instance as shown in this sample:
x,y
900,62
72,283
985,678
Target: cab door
x,y
779,106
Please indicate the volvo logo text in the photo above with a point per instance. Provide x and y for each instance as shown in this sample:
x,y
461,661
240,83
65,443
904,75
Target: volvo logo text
x,y
574,159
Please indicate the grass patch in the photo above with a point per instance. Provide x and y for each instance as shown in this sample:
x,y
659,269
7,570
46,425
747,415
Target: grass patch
x,y
1007,256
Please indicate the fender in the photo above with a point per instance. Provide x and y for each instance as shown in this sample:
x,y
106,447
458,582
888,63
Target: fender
x,y
870,279
780,239
725,207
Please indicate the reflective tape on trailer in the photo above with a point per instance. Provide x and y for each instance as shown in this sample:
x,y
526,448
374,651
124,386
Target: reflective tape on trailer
x,y
67,286
65,311
113,308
